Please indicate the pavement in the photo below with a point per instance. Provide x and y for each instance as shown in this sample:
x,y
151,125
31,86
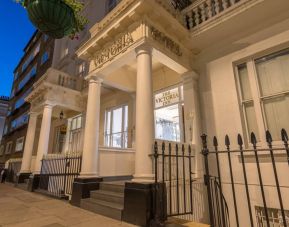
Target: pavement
x,y
19,208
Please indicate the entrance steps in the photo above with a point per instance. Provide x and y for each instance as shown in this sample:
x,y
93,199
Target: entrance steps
x,y
107,201
175,222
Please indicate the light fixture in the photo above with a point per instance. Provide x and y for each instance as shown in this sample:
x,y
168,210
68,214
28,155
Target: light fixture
x,y
61,115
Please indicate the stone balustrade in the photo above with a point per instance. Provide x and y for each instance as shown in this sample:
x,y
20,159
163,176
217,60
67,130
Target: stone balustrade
x,y
62,79
202,11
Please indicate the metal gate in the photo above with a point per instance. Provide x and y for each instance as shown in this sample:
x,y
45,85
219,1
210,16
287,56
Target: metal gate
x,y
58,173
248,187
173,167
14,167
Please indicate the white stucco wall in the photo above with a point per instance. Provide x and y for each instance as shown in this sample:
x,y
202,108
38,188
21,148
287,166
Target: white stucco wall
x,y
221,115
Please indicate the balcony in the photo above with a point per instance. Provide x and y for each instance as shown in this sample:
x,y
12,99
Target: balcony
x,y
57,78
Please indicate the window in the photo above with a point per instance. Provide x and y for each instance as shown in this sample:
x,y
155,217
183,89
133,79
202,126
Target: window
x,y
28,76
5,131
116,127
8,147
169,114
44,57
275,217
1,150
81,69
19,144
18,122
75,134
21,100
270,98
45,38
16,74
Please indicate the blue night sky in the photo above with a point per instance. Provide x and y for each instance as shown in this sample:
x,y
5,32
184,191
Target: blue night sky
x,y
15,32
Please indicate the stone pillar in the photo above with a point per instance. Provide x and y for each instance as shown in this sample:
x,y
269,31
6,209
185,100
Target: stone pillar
x,y
29,143
90,158
43,137
67,136
144,115
192,116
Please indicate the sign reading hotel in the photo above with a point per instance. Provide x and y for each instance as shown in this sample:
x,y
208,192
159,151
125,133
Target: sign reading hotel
x,y
167,98
164,40
118,46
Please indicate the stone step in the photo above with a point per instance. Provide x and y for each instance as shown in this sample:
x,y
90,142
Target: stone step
x,y
112,186
108,209
109,196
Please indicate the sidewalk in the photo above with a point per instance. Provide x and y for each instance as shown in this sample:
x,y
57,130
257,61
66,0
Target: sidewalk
x,y
19,208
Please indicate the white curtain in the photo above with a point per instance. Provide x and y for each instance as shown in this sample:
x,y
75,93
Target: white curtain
x,y
273,76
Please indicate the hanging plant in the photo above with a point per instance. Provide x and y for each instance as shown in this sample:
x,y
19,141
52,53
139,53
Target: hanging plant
x,y
56,18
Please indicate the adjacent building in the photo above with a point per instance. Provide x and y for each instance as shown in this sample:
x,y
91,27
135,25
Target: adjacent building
x,y
153,70
37,58
4,102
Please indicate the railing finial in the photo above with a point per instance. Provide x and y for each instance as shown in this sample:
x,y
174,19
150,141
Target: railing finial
x,y
253,139
240,140
284,135
215,141
269,139
227,141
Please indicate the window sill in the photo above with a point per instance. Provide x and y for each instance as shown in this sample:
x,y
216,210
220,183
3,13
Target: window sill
x,y
116,149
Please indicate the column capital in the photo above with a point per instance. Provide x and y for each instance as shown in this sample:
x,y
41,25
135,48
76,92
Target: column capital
x,y
190,76
33,114
94,79
143,49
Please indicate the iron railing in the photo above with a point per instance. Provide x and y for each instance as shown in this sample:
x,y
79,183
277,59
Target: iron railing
x,y
245,173
173,165
14,167
58,173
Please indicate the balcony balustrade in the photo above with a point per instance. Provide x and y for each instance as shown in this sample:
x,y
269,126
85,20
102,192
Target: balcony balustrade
x,y
202,11
62,79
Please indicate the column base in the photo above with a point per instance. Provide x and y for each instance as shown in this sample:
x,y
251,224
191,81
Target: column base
x,y
22,176
82,187
145,204
33,182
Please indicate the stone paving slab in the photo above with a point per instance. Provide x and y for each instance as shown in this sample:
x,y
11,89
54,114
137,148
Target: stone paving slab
x,y
20,208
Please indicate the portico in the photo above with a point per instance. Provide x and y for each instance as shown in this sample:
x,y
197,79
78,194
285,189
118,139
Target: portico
x,y
137,62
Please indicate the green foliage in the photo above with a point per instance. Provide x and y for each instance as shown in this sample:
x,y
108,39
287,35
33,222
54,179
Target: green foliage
x,y
77,8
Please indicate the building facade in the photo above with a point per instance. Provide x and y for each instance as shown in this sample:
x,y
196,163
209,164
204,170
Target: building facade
x,y
146,71
3,112
36,60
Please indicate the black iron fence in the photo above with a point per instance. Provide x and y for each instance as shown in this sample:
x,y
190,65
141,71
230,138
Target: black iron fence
x,y
246,187
14,167
173,164
58,173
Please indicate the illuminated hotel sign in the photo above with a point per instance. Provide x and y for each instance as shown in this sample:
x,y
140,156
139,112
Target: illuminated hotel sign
x,y
118,46
167,98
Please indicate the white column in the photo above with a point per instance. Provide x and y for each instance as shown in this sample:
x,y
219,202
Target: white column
x,y
144,115
43,137
90,157
29,143
67,136
193,128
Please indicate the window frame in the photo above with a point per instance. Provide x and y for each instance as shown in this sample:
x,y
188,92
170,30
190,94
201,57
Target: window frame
x,y
9,145
17,143
257,97
180,104
110,143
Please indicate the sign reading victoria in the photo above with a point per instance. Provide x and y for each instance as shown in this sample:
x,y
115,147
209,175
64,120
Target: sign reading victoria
x,y
167,98
106,54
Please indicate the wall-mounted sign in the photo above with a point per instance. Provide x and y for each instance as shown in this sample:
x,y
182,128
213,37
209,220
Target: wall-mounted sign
x,y
165,41
118,46
167,98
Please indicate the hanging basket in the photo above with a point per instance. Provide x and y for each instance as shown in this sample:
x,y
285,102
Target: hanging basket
x,y
52,17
